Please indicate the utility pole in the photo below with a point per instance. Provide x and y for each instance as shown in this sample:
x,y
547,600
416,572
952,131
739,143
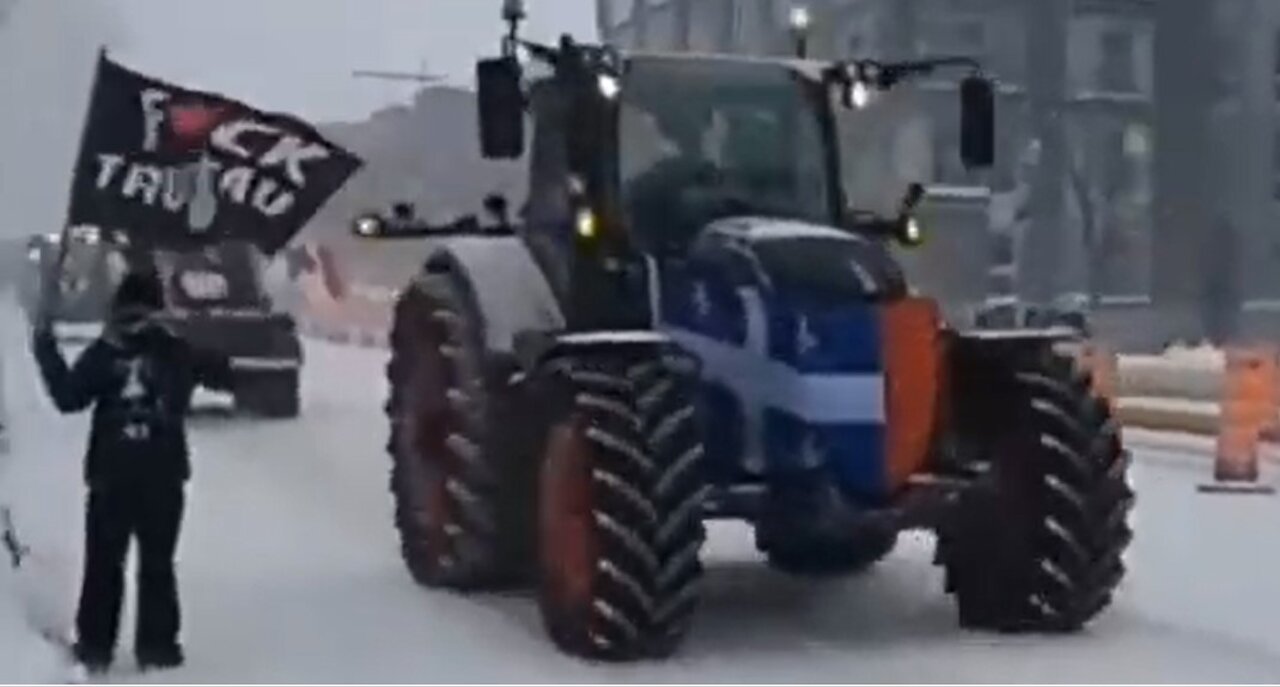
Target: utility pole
x,y
1048,25
1185,196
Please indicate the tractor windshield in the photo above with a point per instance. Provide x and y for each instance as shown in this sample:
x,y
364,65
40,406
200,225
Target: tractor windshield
x,y
702,139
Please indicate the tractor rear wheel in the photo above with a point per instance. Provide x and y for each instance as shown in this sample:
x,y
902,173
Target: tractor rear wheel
x,y
1040,549
462,502
621,491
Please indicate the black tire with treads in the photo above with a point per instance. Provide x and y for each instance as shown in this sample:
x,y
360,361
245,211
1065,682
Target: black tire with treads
x,y
461,484
1041,549
274,395
621,501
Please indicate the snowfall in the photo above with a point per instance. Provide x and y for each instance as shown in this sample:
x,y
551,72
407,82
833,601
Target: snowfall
x,y
290,572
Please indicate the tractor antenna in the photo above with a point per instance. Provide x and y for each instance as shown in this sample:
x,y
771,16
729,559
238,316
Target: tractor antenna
x,y
513,13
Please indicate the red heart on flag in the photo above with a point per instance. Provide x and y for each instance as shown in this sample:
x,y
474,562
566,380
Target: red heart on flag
x,y
192,123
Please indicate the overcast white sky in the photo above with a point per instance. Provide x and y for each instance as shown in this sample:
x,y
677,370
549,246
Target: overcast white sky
x,y
288,55
297,55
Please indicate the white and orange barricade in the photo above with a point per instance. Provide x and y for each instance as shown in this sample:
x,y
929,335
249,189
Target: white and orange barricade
x,y
1249,405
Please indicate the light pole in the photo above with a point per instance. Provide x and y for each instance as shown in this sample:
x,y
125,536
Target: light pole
x,y
1048,23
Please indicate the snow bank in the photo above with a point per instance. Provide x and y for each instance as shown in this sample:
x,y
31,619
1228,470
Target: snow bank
x,y
24,656
39,479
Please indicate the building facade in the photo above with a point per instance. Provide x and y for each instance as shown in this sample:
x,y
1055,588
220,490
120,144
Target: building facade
x,y
1073,191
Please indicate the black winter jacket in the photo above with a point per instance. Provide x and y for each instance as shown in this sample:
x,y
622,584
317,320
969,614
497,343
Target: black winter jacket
x,y
140,391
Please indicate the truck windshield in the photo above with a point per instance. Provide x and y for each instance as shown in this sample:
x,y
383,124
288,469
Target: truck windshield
x,y
701,139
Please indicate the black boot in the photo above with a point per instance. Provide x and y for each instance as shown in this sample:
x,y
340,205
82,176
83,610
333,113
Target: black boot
x,y
162,658
94,661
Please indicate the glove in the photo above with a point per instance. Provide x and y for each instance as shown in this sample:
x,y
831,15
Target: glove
x,y
43,337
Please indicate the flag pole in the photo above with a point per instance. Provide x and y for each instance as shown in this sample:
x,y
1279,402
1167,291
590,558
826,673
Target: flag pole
x,y
51,289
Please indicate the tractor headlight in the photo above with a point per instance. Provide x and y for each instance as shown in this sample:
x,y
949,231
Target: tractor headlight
x,y
912,233
609,86
859,94
368,225
587,224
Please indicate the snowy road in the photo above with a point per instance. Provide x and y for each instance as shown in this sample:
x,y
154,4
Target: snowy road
x,y
291,573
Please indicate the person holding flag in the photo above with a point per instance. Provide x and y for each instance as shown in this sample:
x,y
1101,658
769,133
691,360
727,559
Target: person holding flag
x,y
137,378
169,168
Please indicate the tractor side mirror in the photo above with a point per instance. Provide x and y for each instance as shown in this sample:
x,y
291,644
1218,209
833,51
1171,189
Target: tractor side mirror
x,y
977,123
501,108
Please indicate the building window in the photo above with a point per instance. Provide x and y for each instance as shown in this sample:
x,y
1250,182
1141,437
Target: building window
x,y
1117,72
1276,75
1275,166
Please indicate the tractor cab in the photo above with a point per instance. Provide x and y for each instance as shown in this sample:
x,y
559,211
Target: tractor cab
x,y
723,160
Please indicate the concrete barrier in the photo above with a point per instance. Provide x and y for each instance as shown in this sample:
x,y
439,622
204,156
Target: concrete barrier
x,y
1200,418
1169,415
1162,377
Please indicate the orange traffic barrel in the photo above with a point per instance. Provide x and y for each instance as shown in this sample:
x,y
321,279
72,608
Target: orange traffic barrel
x,y
1248,406
1103,367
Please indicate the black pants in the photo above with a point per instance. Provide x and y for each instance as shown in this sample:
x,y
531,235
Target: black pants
x,y
116,514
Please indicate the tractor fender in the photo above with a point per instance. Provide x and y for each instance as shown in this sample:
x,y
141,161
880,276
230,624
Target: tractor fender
x,y
510,293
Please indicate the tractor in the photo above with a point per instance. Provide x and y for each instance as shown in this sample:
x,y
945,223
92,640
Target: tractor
x,y
687,322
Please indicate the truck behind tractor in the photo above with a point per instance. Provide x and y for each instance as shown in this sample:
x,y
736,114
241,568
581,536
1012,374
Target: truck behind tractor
x,y
216,298
689,323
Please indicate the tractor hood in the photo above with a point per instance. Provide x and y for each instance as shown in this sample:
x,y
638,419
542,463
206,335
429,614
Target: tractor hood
x,y
803,262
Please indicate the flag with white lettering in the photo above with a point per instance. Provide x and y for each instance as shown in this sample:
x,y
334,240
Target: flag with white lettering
x,y
172,166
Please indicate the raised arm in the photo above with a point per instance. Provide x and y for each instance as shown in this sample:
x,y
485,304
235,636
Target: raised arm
x,y
75,388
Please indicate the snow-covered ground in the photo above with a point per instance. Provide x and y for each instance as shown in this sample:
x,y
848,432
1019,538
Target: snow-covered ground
x,y
290,572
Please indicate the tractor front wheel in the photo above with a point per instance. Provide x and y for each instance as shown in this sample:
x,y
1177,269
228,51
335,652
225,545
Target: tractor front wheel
x,y
1040,549
620,505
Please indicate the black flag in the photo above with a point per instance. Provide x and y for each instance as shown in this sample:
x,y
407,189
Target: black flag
x,y
171,166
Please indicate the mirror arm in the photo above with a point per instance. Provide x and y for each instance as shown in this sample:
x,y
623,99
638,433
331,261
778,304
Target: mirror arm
x,y
895,72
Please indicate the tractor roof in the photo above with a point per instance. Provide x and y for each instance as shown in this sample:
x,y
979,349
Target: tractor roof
x,y
810,68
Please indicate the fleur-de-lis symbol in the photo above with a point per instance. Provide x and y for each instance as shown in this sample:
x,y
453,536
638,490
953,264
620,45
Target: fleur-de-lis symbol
x,y
701,299
806,340
811,451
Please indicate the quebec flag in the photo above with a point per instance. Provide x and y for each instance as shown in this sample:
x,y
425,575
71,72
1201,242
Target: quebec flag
x,y
787,386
